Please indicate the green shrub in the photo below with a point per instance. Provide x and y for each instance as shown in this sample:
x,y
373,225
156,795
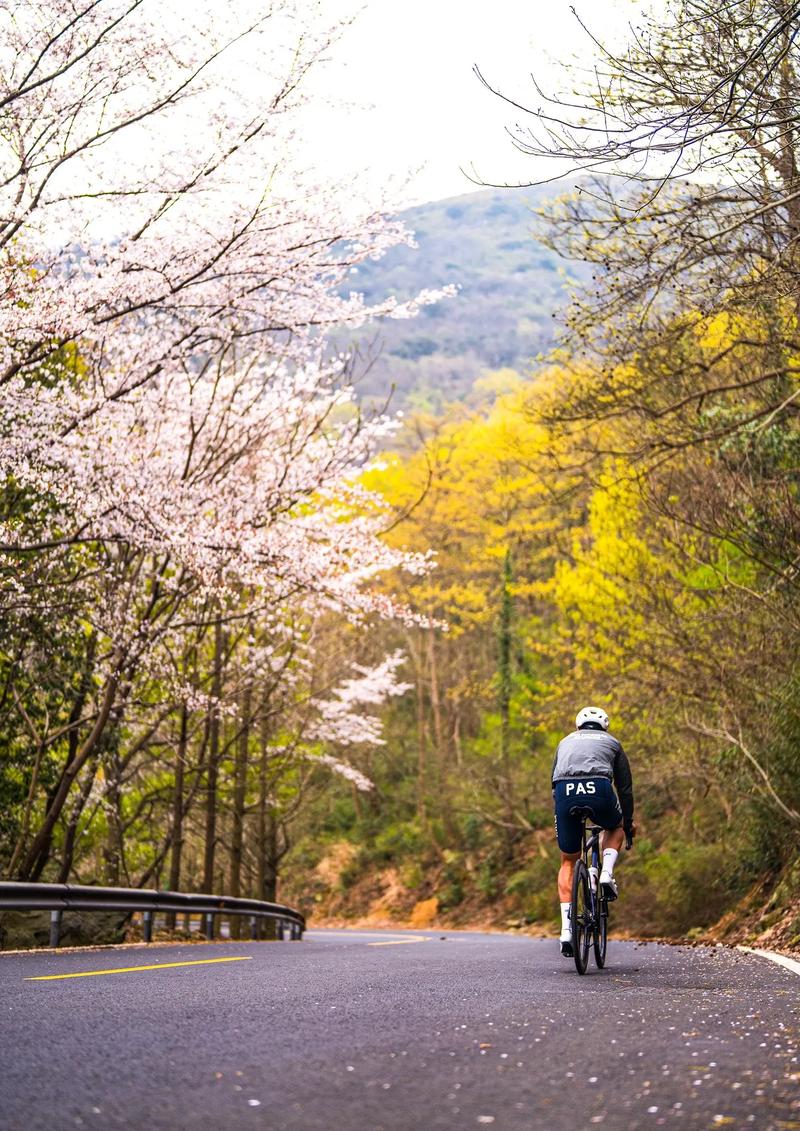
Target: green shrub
x,y
412,875
342,816
534,889
487,880
399,839
668,892
451,894
472,830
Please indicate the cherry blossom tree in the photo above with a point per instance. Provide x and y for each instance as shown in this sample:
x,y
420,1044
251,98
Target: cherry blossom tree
x,y
177,451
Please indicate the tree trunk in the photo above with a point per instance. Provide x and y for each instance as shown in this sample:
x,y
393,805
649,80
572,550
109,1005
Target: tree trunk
x,y
457,734
74,820
176,846
239,796
422,753
114,852
505,686
267,833
268,858
212,766
436,709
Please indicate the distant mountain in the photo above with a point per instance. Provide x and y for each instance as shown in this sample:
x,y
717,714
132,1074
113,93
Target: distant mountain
x,y
510,288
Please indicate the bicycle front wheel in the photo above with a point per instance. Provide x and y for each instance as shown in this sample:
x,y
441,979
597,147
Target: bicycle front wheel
x,y
601,934
581,917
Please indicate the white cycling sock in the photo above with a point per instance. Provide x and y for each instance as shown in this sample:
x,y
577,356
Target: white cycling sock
x,y
609,859
565,923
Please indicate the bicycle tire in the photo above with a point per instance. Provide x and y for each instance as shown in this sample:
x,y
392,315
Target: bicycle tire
x,y
600,939
580,917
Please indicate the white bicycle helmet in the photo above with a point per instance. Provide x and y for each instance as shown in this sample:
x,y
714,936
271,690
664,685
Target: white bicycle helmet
x,y
591,715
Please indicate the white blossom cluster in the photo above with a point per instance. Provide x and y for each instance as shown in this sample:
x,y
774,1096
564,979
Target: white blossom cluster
x,y
342,721
345,770
162,380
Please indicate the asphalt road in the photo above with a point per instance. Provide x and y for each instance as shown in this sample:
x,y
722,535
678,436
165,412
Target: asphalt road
x,y
359,1031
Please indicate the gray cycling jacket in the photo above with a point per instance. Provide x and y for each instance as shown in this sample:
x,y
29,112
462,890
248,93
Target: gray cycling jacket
x,y
592,751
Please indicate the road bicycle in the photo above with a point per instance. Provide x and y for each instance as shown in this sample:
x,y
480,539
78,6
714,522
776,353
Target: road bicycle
x,y
589,909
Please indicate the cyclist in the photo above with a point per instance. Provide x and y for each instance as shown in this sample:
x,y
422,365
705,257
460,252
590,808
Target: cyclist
x,y
586,763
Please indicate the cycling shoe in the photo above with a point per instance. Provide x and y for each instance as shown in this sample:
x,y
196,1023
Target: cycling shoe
x,y
608,886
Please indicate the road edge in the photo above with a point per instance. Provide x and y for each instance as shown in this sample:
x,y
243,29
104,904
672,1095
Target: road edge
x,y
774,956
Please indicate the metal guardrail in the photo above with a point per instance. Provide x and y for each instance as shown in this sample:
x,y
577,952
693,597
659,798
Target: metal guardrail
x,y
57,898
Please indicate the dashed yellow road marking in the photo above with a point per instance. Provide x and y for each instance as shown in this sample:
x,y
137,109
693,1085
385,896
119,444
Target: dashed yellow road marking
x,y
400,942
136,969
354,933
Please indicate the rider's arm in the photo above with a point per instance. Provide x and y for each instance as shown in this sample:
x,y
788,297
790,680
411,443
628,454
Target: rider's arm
x,y
623,783
555,763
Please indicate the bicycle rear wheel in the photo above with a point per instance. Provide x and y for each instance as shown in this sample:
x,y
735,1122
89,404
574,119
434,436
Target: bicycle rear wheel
x,y
581,917
600,939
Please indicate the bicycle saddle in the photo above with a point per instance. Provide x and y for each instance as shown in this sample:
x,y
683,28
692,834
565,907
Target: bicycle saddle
x,y
581,811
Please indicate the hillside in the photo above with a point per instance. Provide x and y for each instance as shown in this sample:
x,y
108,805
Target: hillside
x,y
510,288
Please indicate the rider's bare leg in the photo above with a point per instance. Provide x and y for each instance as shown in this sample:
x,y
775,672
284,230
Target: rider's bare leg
x,y
565,875
611,838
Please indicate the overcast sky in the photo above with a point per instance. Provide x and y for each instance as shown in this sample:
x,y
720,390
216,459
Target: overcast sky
x,y
412,60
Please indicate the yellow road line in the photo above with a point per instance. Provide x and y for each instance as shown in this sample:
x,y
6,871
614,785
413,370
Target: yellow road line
x,y
136,969
400,942
353,933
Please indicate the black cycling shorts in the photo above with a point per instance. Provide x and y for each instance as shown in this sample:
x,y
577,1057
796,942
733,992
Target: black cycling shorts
x,y
596,793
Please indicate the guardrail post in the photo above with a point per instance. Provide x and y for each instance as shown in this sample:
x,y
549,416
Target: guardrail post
x,y
253,927
55,928
209,925
147,926
296,932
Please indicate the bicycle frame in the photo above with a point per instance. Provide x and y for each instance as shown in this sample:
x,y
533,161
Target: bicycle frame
x,y
589,912
591,856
